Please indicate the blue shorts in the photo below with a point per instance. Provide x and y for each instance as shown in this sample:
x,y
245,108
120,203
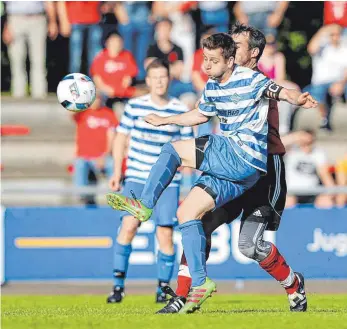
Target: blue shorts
x,y
225,175
164,213
320,92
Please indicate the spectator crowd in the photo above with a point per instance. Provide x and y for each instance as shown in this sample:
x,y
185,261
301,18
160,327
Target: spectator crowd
x,y
124,37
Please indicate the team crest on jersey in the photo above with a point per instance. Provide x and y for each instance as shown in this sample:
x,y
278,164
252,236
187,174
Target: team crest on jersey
x,y
74,90
235,98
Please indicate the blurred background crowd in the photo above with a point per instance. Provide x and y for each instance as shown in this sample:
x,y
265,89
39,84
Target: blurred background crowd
x,y
114,41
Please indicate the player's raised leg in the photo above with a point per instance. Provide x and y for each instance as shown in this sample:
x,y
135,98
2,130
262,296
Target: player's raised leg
x,y
172,156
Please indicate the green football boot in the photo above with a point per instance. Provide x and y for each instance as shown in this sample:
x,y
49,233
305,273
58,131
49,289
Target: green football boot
x,y
132,205
197,295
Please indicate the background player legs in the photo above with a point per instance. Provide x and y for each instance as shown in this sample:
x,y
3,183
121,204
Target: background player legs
x,y
17,53
82,173
76,47
252,245
165,257
123,249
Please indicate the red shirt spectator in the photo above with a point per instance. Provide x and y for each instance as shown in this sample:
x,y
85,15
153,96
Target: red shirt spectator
x,y
335,12
92,132
113,69
198,64
83,12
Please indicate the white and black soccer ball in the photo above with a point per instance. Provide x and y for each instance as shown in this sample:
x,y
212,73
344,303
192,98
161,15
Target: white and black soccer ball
x,y
76,92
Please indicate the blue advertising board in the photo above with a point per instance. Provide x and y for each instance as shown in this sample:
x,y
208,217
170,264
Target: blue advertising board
x,y
77,243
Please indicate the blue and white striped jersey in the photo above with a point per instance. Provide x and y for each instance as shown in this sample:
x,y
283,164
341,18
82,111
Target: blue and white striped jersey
x,y
146,140
242,111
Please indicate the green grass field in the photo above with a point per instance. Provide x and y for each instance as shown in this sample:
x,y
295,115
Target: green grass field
x,y
136,312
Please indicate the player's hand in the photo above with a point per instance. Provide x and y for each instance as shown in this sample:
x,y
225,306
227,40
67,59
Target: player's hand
x,y
155,120
306,101
115,183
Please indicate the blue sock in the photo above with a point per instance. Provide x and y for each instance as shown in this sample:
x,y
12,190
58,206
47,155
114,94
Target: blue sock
x,y
165,265
194,246
121,263
161,175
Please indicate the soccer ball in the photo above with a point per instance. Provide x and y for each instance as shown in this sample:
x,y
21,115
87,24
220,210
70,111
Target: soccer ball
x,y
76,92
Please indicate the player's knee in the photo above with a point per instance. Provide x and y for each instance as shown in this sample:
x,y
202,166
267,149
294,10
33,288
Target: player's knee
x,y
185,214
129,232
180,214
247,247
169,148
129,229
248,252
164,234
165,239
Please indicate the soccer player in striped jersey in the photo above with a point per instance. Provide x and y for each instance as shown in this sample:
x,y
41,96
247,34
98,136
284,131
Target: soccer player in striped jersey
x,y
261,206
145,143
231,164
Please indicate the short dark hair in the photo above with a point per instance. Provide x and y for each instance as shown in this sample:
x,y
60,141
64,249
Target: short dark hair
x,y
256,38
223,41
109,34
156,63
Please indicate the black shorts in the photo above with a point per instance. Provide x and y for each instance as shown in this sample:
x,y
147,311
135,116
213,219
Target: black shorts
x,y
265,199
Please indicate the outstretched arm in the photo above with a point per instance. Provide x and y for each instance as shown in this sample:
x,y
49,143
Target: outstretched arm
x,y
188,119
295,97
292,96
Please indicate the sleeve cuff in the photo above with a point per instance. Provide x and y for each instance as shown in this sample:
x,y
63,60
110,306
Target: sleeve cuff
x,y
208,114
122,130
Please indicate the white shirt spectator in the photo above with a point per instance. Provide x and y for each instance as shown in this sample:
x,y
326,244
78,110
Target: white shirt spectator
x,y
329,64
252,7
301,168
25,7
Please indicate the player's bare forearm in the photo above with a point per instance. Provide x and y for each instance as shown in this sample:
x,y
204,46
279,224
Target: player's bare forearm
x,y
292,96
289,95
188,119
295,97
